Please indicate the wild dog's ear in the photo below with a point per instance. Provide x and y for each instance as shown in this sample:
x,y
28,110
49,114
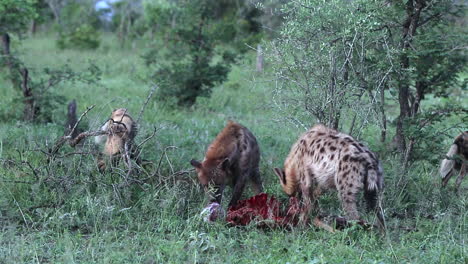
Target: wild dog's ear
x,y
196,164
281,175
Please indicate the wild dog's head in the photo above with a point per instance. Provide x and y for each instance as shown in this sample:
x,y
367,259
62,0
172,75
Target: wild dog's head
x,y
120,122
119,112
212,175
288,182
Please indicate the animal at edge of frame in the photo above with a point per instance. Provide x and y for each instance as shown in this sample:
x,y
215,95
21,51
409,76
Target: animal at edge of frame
x,y
231,159
324,159
121,131
456,159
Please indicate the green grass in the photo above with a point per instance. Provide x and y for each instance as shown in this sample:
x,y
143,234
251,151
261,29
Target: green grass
x,y
69,213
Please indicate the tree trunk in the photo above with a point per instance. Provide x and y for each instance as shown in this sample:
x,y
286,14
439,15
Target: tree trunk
x,y
31,109
413,11
10,61
19,78
55,7
33,28
259,58
383,131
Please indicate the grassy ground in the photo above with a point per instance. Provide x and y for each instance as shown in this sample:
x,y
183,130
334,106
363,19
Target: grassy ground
x,y
64,211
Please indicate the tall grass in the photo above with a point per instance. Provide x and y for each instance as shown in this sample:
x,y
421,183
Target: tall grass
x,y
65,211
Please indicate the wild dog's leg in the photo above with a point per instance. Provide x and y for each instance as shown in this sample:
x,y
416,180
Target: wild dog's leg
x,y
447,178
101,163
461,175
256,181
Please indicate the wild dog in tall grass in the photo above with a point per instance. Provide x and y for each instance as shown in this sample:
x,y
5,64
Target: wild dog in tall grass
x,y
456,159
324,159
119,141
231,159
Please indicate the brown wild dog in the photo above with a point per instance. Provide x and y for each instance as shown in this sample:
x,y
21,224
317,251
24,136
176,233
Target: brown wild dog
x,y
121,132
456,159
324,159
232,158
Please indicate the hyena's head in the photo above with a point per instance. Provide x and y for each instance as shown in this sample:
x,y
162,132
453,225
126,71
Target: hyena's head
x,y
212,175
287,183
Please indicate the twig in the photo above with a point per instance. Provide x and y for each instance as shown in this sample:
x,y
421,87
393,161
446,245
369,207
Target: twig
x,y
162,156
148,138
21,211
79,119
64,139
83,135
34,171
127,160
146,102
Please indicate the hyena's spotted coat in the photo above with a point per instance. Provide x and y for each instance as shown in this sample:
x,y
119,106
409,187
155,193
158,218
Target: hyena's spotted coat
x,y
323,159
232,158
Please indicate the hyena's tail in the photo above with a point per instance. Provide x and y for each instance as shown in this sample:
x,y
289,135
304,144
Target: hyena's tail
x,y
447,164
373,187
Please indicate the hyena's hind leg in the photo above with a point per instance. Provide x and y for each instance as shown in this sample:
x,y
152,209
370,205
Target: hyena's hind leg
x,y
348,185
256,181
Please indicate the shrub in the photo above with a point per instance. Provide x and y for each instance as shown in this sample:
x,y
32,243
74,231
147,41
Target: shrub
x,y
83,37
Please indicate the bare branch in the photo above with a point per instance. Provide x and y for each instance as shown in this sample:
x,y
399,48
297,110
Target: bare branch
x,y
146,102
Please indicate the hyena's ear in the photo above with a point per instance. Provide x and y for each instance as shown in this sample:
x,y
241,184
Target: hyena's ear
x,y
196,164
281,175
225,164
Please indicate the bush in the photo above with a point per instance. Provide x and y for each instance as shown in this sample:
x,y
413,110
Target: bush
x,y
83,37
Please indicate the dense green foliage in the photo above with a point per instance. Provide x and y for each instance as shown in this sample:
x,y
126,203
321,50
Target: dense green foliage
x,y
16,15
78,27
82,37
195,60
338,71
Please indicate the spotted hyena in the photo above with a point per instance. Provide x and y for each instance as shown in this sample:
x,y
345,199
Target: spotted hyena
x,y
456,159
231,159
323,159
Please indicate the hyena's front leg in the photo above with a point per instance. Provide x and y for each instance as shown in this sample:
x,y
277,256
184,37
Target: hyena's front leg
x,y
305,204
461,175
237,192
239,185
256,181
348,200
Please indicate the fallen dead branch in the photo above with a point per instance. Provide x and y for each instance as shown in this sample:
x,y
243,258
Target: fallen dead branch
x,y
86,134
